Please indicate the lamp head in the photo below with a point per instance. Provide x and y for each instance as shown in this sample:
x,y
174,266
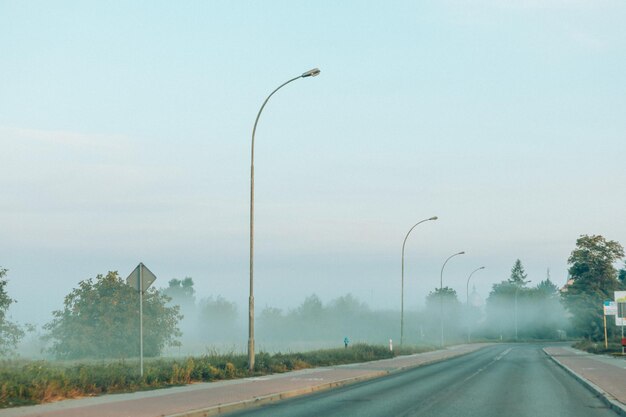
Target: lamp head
x,y
461,253
433,218
311,73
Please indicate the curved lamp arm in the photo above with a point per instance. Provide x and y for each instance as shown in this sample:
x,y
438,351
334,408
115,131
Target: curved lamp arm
x,y
468,280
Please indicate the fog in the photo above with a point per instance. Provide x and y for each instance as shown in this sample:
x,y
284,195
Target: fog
x,y
512,310
217,323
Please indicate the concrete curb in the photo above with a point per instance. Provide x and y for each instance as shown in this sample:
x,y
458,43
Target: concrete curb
x,y
266,399
607,398
257,401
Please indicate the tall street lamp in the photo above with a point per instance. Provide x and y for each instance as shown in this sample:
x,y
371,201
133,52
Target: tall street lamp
x,y
311,73
469,324
517,288
441,293
402,285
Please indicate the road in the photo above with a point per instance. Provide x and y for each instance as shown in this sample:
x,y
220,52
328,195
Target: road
x,y
504,380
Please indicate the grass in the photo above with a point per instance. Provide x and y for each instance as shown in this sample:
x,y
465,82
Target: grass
x,y
33,382
590,346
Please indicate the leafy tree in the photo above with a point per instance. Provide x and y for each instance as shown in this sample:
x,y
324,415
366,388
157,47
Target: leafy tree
x,y
500,306
451,314
218,319
100,319
545,314
448,294
182,294
180,291
594,279
547,288
311,308
622,275
10,333
347,306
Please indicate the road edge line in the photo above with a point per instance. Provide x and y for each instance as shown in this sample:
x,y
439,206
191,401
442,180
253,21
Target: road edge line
x,y
607,398
257,401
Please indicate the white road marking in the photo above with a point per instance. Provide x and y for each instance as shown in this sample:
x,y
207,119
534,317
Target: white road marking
x,y
496,359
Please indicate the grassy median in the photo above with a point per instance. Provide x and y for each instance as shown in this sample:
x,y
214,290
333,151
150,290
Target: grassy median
x,y
33,382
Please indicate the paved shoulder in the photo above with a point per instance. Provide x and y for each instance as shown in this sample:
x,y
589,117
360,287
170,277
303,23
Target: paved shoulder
x,y
605,375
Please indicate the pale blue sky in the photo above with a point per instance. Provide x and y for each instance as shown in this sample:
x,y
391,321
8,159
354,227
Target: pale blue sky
x,y
125,137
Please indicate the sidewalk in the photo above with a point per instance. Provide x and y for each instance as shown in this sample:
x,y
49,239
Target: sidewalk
x,y
602,374
207,399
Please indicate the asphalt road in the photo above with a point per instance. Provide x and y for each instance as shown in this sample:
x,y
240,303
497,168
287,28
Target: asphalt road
x,y
505,381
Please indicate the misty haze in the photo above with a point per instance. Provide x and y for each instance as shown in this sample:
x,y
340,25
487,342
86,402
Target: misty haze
x,y
324,209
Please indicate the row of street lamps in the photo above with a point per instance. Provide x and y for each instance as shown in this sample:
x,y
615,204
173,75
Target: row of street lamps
x,y
313,73
440,287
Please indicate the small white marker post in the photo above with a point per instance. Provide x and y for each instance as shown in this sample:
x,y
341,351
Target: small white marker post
x,y
141,279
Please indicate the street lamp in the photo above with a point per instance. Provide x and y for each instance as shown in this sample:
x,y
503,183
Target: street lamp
x,y
402,285
311,73
469,324
517,288
441,292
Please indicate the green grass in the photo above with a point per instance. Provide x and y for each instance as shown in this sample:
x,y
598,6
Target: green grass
x,y
34,382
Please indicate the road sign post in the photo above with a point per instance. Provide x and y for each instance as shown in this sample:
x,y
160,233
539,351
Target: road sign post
x,y
610,309
620,316
141,279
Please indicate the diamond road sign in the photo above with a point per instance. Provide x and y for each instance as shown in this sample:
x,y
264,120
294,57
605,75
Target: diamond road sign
x,y
146,276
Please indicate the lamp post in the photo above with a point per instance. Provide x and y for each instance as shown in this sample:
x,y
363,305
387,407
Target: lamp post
x,y
517,288
311,73
469,324
441,292
402,285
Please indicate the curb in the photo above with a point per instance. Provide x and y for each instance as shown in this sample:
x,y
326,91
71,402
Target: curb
x,y
607,398
266,399
257,401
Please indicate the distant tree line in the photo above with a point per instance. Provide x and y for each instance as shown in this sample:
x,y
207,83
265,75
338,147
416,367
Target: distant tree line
x,y
99,318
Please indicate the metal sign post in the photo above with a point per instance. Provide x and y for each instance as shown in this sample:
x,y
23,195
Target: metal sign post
x,y
141,279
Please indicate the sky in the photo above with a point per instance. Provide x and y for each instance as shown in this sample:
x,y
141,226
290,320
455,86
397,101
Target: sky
x,y
125,132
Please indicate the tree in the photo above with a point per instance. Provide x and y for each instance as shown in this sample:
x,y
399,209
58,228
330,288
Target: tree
x,y
451,314
518,275
544,312
181,292
311,308
10,333
100,319
448,294
218,319
536,312
622,275
593,280
547,288
500,306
